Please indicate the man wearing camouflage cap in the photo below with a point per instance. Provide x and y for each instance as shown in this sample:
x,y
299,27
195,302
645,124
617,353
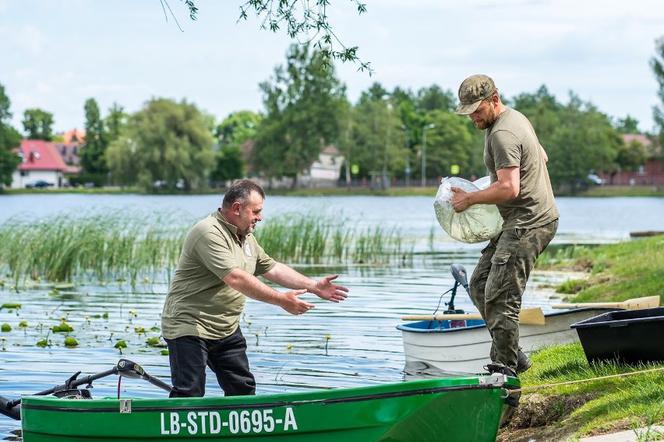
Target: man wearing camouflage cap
x,y
521,188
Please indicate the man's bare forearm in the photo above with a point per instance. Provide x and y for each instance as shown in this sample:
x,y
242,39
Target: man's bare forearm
x,y
288,277
252,287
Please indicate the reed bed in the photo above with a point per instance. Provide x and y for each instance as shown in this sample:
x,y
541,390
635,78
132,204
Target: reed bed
x,y
130,246
316,239
89,247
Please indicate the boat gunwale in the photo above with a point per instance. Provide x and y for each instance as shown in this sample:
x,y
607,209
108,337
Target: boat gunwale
x,y
408,327
507,383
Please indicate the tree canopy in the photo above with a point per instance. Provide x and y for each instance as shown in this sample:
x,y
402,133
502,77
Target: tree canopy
x,y
93,153
232,133
303,102
9,140
38,124
165,145
657,65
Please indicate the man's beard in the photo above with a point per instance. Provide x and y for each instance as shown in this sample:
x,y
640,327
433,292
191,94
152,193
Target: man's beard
x,y
484,123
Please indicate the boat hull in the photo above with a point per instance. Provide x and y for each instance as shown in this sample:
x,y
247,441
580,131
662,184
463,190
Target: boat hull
x,y
466,409
454,348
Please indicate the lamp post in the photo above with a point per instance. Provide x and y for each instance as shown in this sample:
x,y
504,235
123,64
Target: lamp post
x,y
384,180
424,152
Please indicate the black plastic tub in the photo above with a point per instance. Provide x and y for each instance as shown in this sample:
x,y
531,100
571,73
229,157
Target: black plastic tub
x,y
628,336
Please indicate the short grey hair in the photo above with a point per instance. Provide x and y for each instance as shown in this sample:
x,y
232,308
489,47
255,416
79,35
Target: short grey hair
x,y
240,191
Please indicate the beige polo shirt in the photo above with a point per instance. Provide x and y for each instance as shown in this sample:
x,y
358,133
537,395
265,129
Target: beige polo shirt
x,y
199,303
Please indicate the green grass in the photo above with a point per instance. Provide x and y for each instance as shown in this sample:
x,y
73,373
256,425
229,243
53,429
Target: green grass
x,y
617,272
611,191
633,401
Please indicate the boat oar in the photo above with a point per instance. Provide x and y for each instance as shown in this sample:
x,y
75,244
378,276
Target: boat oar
x,y
530,316
628,304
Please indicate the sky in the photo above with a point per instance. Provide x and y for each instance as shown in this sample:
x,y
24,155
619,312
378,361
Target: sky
x,y
55,54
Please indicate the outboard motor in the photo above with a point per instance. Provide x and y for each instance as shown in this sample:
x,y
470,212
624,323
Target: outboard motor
x,y
10,409
460,279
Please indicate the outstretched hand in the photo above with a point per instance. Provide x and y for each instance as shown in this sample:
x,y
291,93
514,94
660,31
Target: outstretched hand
x,y
294,305
326,290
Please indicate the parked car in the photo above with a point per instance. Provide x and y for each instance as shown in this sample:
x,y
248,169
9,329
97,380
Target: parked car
x,y
595,179
39,184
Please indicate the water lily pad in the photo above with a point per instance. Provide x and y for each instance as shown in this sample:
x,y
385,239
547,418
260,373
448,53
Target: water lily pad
x,y
71,342
62,327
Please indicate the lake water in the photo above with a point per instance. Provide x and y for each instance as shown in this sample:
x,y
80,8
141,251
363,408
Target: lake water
x,y
335,345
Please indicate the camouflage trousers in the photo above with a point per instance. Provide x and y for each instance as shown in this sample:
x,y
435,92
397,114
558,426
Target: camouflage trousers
x,y
499,281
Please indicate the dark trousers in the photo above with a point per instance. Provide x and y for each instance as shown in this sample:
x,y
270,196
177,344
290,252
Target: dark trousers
x,y
498,283
227,358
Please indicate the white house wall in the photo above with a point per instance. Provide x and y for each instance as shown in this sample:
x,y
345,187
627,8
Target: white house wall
x,y
31,176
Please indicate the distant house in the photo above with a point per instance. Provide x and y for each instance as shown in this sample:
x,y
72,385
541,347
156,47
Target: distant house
x,y
324,172
70,148
40,163
651,173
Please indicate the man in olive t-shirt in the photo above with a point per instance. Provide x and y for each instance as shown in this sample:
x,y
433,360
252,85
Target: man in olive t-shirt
x,y
521,188
218,266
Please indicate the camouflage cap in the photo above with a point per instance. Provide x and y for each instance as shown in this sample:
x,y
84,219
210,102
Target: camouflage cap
x,y
472,91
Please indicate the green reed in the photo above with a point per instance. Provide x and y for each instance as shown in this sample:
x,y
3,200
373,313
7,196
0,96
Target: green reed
x,y
129,246
101,247
313,238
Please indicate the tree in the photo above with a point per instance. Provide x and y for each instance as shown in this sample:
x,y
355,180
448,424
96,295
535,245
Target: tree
x,y
232,133
585,141
631,156
433,98
627,125
303,103
302,19
577,137
38,124
9,140
378,136
167,144
657,65
93,158
449,142
114,122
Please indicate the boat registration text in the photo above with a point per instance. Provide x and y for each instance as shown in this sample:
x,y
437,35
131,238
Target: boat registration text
x,y
233,422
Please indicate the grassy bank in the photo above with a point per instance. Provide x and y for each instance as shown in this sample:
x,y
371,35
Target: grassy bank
x,y
430,191
611,191
564,397
615,272
554,406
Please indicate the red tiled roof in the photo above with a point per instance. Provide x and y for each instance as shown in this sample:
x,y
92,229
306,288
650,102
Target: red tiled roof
x,y
40,155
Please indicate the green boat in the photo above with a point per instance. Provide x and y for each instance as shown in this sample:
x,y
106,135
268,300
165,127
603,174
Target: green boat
x,y
458,409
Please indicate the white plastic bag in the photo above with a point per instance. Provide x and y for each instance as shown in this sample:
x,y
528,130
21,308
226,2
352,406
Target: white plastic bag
x,y
479,222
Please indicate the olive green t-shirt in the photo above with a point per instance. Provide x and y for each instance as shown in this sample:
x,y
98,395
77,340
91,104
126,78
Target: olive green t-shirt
x,y
199,303
511,142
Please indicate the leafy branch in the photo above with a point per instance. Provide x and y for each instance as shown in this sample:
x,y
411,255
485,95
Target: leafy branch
x,y
303,20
